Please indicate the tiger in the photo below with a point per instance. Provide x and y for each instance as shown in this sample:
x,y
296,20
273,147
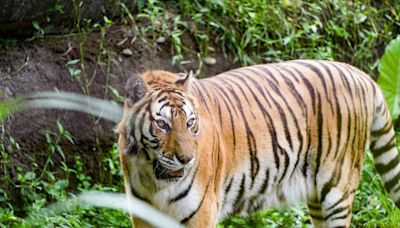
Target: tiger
x,y
260,136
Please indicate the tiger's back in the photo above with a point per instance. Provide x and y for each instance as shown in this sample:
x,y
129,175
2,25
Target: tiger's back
x,y
282,133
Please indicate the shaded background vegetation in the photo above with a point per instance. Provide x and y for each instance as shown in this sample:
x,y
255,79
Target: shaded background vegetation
x,y
206,36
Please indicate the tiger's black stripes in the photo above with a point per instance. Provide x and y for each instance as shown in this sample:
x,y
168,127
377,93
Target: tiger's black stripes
x,y
344,79
388,146
185,192
349,124
240,89
223,96
221,123
286,69
275,144
306,164
264,186
239,196
265,114
385,168
337,211
327,188
319,137
200,93
259,89
359,124
287,134
318,72
282,114
337,107
311,92
272,85
254,163
295,93
268,120
266,70
299,135
344,197
229,186
383,131
186,219
309,87
389,185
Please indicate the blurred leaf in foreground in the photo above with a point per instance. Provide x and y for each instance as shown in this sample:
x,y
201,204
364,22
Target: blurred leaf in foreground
x,y
118,201
72,101
63,100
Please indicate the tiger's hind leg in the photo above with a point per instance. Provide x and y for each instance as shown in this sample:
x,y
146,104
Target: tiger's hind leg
x,y
334,211
331,207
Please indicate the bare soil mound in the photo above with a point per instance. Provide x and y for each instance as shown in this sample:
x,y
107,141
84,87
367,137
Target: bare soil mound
x,y
42,65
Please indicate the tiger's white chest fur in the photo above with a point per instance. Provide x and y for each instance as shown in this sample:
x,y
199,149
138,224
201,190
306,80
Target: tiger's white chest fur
x,y
177,199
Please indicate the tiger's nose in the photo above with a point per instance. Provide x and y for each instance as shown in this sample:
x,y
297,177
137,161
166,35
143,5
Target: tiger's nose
x,y
184,159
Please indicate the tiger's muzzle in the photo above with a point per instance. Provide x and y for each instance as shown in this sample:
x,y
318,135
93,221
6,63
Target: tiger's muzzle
x,y
171,169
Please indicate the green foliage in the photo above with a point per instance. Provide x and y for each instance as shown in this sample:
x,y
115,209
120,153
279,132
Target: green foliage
x,y
269,31
293,217
9,106
41,186
389,78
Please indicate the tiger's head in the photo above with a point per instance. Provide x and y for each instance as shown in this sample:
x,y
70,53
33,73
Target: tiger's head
x,y
160,125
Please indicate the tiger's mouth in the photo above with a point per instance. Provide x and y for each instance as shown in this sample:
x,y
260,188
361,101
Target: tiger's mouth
x,y
163,173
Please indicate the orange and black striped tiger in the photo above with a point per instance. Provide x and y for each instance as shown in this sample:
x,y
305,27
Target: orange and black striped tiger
x,y
255,137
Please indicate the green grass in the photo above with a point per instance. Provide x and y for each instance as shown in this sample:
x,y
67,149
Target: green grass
x,y
253,31
372,206
39,187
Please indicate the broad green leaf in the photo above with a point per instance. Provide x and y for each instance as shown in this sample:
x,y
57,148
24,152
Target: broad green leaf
x,y
389,76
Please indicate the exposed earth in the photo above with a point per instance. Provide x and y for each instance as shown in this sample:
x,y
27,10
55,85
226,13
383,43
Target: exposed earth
x,y
42,65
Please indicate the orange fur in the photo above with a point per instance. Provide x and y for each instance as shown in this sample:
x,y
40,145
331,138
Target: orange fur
x,y
268,134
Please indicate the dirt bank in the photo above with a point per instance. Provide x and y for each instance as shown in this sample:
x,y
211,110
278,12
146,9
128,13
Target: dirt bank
x,y
42,65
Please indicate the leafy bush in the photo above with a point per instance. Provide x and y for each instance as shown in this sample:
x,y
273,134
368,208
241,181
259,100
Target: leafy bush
x,y
268,31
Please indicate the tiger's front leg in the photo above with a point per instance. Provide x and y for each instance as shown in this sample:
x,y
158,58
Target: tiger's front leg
x,y
206,216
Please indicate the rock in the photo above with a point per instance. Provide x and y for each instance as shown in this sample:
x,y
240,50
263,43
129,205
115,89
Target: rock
x,y
160,40
209,61
127,52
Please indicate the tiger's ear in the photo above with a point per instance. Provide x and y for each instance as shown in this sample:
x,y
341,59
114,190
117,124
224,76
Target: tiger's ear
x,y
135,89
185,82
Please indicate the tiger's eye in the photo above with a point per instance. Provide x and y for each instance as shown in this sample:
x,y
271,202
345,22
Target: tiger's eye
x,y
190,122
162,124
